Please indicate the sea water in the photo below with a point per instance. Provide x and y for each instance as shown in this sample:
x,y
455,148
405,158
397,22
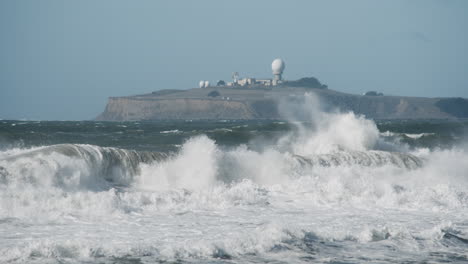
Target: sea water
x,y
335,188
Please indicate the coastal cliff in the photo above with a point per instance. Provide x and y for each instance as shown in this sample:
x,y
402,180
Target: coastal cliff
x,y
262,103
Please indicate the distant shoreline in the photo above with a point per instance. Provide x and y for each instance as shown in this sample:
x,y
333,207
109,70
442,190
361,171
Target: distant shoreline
x,y
218,103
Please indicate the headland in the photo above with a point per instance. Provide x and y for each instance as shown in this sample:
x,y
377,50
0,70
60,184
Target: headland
x,y
250,98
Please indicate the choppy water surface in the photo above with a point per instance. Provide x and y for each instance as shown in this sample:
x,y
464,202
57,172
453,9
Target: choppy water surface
x,y
337,189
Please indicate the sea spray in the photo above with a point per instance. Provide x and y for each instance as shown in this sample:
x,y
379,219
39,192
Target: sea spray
x,y
319,132
194,167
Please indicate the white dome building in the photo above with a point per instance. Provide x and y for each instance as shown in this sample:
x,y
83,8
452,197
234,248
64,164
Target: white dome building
x,y
277,66
201,84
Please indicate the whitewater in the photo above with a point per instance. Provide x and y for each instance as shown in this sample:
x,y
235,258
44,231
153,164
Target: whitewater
x,y
334,189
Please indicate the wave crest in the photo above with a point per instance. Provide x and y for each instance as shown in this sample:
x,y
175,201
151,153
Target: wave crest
x,y
74,166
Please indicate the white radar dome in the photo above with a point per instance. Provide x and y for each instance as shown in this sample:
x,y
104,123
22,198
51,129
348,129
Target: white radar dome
x,y
277,66
201,84
207,84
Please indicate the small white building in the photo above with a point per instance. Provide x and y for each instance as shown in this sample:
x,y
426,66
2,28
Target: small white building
x,y
277,68
246,81
266,82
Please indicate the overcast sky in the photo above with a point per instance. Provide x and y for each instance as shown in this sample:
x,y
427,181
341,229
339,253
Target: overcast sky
x,y
61,60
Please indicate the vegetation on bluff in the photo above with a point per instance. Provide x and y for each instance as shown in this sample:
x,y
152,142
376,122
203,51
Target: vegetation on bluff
x,y
213,94
457,107
308,82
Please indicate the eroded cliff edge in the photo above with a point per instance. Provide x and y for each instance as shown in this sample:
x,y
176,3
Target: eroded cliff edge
x,y
262,103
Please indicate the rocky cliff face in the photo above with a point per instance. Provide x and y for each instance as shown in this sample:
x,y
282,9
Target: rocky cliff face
x,y
122,109
231,103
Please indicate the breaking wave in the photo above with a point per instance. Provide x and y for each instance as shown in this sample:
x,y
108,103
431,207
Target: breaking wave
x,y
200,163
73,166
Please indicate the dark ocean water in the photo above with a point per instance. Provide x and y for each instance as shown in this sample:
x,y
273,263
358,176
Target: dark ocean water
x,y
337,189
170,135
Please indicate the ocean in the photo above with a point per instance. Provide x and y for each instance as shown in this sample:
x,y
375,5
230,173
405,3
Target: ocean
x,y
337,188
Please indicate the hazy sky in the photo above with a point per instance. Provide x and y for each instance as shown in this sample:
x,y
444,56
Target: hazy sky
x,y
60,60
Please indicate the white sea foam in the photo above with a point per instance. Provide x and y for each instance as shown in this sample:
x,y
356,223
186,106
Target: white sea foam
x,y
174,131
420,135
413,136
